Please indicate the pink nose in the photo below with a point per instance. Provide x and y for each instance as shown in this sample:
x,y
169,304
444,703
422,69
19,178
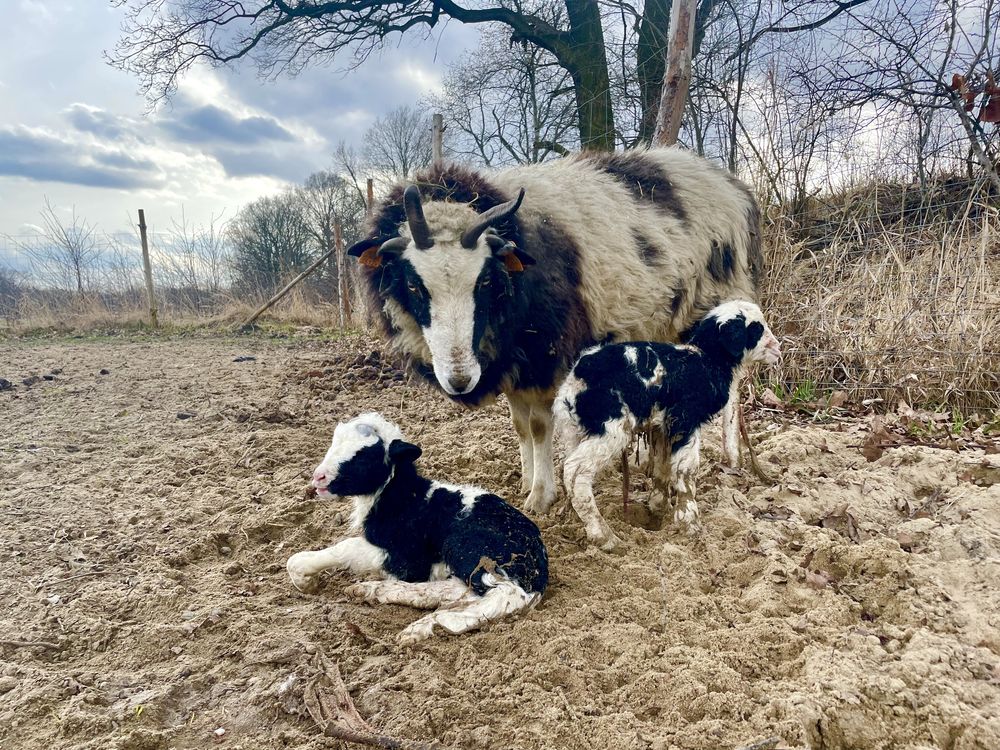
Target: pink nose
x,y
319,477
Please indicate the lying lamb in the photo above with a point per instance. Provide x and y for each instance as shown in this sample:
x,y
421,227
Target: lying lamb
x,y
435,543
616,390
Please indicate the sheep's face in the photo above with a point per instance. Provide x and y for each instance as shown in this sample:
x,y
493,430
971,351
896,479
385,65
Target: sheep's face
x,y
449,279
361,457
744,333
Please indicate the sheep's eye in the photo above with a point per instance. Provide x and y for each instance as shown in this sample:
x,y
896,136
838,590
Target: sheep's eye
x,y
484,283
414,289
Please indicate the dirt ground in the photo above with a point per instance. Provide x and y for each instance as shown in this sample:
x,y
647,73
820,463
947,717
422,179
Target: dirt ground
x,y
146,515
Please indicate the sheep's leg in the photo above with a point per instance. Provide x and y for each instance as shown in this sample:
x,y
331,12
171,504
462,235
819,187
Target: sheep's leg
x,y
731,425
683,470
356,554
660,459
581,468
520,415
543,483
423,595
505,599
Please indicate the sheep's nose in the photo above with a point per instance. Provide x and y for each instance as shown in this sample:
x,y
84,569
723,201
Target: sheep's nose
x,y
320,477
459,383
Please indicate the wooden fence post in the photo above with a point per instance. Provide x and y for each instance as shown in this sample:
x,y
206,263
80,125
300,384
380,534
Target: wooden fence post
x,y
437,140
677,77
344,289
147,270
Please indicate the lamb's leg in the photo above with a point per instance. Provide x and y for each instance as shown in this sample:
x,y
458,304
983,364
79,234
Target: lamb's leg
x,y
356,554
504,599
423,595
520,415
543,483
581,468
683,470
731,425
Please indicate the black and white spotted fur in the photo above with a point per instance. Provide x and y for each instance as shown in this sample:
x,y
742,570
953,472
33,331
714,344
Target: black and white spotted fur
x,y
435,543
591,248
615,390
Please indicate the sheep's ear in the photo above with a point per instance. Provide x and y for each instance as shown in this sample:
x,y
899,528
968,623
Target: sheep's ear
x,y
514,259
402,452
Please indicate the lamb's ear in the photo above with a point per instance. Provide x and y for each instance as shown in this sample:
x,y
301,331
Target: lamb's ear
x,y
402,452
734,336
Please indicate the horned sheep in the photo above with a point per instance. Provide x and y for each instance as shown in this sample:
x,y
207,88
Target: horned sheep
x,y
495,282
438,544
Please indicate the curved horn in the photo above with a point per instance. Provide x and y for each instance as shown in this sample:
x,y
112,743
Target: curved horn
x,y
488,218
419,230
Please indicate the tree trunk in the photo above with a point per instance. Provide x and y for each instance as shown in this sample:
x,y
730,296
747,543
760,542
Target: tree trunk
x,y
651,62
677,78
587,63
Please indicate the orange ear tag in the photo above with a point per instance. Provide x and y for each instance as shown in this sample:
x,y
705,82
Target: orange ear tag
x,y
370,258
512,263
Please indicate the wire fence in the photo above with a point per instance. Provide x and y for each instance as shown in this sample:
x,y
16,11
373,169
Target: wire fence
x,y
879,311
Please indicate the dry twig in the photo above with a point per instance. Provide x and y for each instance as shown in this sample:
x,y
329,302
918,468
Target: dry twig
x,y
754,464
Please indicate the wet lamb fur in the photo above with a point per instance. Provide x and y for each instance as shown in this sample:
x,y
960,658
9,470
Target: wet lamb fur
x,y
617,247
438,544
616,390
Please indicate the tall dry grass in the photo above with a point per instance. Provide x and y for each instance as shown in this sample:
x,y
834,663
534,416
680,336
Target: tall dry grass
x,y
891,312
869,297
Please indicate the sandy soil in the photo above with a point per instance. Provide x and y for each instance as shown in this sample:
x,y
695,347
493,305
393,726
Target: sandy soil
x,y
147,514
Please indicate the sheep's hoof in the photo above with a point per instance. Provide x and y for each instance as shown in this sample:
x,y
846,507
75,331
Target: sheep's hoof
x,y
687,521
540,500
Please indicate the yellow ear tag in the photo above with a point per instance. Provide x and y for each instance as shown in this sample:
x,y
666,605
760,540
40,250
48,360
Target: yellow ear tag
x,y
370,258
512,263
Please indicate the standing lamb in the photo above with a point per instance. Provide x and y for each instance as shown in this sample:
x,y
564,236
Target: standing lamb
x,y
495,282
616,390
437,543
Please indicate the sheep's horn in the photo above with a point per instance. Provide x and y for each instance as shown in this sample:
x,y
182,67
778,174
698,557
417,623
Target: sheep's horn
x,y
488,218
419,230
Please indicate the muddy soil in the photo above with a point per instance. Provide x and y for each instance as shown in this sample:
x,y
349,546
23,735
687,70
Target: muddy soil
x,y
146,515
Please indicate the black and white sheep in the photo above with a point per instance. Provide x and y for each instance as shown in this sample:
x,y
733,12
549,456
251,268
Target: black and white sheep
x,y
495,282
616,390
435,543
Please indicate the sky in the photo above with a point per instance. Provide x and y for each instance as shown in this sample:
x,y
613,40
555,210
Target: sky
x,y
75,131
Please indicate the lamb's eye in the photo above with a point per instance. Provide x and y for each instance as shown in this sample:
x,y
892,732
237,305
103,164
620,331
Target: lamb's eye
x,y
484,283
414,289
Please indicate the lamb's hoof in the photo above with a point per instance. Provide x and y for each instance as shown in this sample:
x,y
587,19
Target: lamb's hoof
x,y
415,632
609,543
362,591
304,582
688,521
540,500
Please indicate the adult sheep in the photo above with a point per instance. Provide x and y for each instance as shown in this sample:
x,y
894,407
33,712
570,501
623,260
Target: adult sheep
x,y
494,282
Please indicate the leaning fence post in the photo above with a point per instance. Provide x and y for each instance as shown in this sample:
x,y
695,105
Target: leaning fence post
x,y
147,270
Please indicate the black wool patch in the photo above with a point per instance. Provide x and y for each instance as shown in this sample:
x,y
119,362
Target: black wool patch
x,y
363,473
722,262
643,177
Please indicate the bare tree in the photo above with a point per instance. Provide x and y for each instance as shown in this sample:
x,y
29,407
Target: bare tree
x,y
67,252
271,242
398,144
507,104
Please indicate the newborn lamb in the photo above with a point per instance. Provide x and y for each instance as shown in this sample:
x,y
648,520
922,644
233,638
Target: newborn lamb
x,y
616,390
435,544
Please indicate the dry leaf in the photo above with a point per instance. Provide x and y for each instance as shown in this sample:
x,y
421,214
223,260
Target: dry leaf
x,y
836,400
769,399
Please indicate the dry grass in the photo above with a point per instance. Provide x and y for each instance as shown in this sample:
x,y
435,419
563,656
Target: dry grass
x,y
908,313
880,308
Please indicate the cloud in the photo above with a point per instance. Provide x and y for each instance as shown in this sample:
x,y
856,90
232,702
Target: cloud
x,y
42,156
99,123
211,124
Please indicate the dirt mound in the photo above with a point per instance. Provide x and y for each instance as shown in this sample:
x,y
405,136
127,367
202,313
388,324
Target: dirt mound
x,y
854,604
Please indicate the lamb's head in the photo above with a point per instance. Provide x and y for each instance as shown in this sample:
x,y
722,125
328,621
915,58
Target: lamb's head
x,y
449,284
738,327
362,457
